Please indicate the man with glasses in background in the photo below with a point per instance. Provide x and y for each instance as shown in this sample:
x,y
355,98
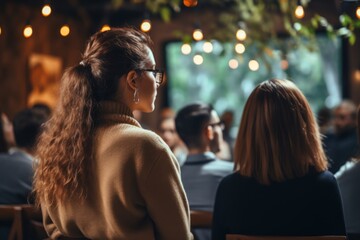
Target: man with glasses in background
x,y
200,128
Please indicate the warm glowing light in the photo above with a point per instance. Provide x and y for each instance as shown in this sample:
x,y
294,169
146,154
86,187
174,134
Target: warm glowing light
x,y
240,48
46,10
145,25
241,35
28,31
198,59
299,12
190,3
357,75
0,30
186,49
65,30
208,47
233,63
253,65
358,12
284,64
105,28
198,35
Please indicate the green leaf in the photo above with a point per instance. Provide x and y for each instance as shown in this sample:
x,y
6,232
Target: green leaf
x,y
165,14
357,24
343,31
314,22
345,19
352,39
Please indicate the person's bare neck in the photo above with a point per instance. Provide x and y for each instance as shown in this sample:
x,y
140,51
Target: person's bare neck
x,y
198,150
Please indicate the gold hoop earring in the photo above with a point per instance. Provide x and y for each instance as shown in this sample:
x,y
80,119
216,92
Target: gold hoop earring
x,y
136,98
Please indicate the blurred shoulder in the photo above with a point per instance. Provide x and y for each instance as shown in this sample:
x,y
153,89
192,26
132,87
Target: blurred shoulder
x,y
325,181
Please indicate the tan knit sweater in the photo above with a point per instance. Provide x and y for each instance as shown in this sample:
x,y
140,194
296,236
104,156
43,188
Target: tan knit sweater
x,y
135,191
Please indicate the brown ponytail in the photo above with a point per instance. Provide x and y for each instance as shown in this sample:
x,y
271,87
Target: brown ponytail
x,y
63,147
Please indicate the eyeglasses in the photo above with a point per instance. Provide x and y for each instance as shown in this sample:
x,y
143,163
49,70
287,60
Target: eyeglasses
x,y
157,73
220,124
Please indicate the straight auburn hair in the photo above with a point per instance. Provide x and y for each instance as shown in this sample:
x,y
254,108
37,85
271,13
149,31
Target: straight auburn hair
x,y
278,138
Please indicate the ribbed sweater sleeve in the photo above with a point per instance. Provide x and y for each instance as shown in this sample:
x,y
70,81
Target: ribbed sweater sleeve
x,y
165,198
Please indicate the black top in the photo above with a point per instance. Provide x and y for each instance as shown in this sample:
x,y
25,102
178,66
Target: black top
x,y
306,206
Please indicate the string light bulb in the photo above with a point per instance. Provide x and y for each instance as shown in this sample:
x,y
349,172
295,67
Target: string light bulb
x,y
46,10
253,65
145,25
208,47
28,31
190,3
299,12
233,63
241,35
186,49
198,35
0,30
198,59
105,27
65,30
358,12
240,48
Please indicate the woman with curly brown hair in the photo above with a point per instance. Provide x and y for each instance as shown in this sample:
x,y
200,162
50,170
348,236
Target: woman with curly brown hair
x,y
100,175
281,186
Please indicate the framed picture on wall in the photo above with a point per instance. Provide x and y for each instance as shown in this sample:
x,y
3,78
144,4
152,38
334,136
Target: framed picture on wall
x,y
44,79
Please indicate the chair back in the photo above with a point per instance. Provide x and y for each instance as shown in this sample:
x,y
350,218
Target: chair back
x,y
246,237
11,222
21,222
353,236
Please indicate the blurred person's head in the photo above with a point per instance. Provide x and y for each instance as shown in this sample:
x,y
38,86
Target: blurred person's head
x,y
200,128
227,118
7,139
167,132
278,138
344,117
324,119
27,127
45,109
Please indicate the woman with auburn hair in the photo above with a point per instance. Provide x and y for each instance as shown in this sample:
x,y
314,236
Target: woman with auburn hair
x,y
281,185
100,175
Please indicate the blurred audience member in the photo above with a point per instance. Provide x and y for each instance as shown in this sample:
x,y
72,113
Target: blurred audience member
x,y
342,145
45,109
200,128
7,139
281,186
167,132
16,168
227,146
348,178
324,119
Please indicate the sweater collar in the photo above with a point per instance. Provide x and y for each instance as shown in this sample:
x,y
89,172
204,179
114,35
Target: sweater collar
x,y
115,111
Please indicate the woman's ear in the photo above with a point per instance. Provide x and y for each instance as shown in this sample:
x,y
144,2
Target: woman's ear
x,y
131,79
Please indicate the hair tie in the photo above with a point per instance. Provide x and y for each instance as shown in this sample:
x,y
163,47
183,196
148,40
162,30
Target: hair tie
x,y
82,63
